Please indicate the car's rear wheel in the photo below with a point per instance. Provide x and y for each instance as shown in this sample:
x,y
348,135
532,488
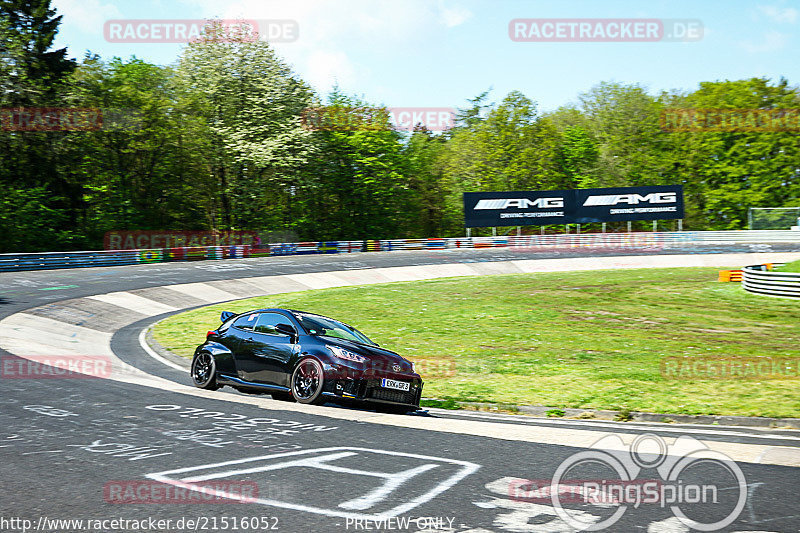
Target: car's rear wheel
x,y
307,382
204,371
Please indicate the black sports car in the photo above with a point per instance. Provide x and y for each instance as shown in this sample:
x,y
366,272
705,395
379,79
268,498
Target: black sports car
x,y
305,357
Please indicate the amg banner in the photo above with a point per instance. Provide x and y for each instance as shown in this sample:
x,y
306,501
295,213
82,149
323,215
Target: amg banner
x,y
578,206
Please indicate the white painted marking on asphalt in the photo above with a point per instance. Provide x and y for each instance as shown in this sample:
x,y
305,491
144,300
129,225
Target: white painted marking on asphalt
x,y
322,462
36,453
516,515
152,353
393,482
670,525
48,410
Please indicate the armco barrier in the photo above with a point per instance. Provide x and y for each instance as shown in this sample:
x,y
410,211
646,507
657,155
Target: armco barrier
x,y
655,241
759,279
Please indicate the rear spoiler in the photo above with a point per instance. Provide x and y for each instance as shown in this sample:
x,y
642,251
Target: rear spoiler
x,y
226,315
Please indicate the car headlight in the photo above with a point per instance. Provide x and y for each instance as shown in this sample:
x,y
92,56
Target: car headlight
x,y
347,355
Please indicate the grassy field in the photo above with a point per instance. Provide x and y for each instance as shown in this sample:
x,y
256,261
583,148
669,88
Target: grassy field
x,y
579,339
794,266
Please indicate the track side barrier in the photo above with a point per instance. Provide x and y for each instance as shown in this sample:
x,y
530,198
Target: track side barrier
x,y
649,241
762,279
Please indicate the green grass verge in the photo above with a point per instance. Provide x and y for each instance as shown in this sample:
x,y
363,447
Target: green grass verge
x,y
579,339
794,266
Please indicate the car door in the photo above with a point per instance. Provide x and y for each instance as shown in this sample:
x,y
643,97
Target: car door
x,y
266,351
239,339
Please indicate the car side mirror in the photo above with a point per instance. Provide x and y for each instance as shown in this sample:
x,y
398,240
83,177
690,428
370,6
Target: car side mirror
x,y
225,316
286,329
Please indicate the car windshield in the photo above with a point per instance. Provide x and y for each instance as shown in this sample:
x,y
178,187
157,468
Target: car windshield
x,y
327,327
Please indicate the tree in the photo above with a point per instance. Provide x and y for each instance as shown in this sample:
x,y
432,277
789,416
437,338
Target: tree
x,y
146,171
727,172
31,74
251,105
356,187
579,152
512,148
428,184
624,121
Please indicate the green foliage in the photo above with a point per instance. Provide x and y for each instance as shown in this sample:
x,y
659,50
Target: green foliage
x,y
624,415
794,266
28,218
448,403
356,188
31,72
580,156
220,143
727,172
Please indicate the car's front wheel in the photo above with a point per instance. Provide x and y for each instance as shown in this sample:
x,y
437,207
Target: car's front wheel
x,y
307,382
204,371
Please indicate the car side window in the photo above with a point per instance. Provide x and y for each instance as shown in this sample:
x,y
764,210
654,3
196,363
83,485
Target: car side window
x,y
267,321
246,322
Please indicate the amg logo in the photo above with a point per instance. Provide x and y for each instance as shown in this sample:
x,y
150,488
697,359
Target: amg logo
x,y
632,199
519,203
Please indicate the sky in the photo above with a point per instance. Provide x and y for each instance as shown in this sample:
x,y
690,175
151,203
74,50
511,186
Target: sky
x,y
440,53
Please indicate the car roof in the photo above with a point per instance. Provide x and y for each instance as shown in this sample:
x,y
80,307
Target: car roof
x,y
293,312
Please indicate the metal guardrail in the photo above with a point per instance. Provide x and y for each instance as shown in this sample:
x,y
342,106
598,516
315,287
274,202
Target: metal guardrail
x,y
651,241
759,279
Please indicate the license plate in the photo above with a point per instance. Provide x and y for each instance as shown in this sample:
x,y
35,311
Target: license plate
x,y
396,385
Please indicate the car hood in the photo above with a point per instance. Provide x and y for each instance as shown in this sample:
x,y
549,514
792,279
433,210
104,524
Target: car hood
x,y
381,357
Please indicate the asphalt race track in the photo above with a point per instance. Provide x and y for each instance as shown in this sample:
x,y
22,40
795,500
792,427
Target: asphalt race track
x,y
84,449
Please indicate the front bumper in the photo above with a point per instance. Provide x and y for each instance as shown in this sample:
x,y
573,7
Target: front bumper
x,y
369,389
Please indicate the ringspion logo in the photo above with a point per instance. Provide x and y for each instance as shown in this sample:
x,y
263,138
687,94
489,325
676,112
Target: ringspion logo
x,y
704,489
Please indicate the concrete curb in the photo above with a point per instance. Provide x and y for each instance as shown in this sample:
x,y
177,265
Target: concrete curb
x,y
163,352
635,416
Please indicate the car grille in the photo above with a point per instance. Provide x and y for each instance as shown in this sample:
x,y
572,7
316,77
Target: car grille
x,y
396,396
